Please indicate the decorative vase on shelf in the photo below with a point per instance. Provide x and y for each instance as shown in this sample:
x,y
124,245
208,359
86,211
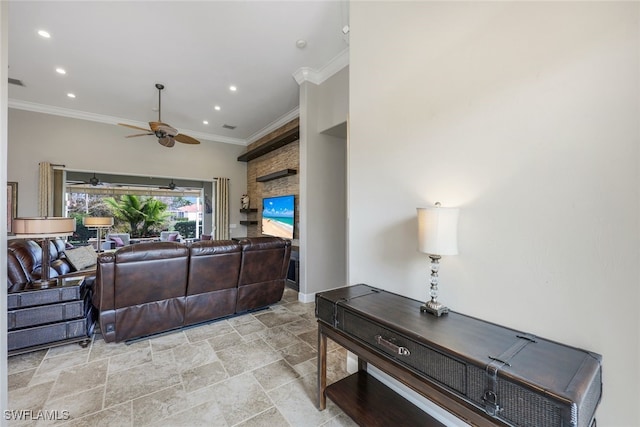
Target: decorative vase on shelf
x,y
244,201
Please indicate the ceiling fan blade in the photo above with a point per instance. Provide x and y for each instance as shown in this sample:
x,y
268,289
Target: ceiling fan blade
x,y
139,134
167,141
186,139
133,127
163,128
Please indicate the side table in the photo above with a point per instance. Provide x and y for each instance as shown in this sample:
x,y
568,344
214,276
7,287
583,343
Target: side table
x,y
39,318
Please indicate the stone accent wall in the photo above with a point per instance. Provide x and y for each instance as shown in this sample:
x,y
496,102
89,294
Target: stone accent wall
x,y
287,157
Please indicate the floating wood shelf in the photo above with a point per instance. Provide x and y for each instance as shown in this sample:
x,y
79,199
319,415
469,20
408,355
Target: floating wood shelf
x,y
276,175
274,144
250,210
248,222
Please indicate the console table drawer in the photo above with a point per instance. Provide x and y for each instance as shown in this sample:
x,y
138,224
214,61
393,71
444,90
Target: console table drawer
x,y
41,315
423,359
73,289
37,335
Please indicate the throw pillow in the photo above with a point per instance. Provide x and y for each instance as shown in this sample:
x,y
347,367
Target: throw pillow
x,y
173,237
82,257
118,240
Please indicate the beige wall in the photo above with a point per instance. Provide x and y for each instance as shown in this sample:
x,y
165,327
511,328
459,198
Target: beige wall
x,y
90,146
524,115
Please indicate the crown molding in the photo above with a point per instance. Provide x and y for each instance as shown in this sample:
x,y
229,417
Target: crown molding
x,y
307,74
100,118
274,125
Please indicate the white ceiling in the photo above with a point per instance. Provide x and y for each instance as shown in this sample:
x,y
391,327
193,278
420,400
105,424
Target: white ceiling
x,y
115,52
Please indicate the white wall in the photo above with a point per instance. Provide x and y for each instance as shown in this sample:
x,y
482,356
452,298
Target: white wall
x,y
322,186
4,67
524,115
90,146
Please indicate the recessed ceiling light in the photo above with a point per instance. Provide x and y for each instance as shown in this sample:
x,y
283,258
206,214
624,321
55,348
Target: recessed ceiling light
x,y
61,70
43,33
217,108
71,95
301,44
232,88
204,122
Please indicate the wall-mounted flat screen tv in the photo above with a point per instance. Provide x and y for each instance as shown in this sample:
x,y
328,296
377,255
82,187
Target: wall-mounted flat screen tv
x,y
278,215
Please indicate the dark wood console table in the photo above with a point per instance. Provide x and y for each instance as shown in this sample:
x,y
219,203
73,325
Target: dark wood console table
x,y
485,374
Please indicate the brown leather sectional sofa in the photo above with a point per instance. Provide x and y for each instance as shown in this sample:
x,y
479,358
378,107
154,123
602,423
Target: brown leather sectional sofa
x,y
24,262
154,287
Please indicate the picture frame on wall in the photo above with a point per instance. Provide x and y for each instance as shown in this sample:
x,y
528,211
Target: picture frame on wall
x,y
12,204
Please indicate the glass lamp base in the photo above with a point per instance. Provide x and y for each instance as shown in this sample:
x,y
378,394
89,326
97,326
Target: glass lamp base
x,y
434,308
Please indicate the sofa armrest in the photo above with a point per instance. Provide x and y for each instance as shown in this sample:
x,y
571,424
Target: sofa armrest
x,y
103,292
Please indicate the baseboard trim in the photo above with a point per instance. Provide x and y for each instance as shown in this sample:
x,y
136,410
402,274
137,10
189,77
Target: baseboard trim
x,y
306,298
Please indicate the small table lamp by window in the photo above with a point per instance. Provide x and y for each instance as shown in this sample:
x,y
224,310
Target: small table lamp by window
x,y
98,223
44,228
437,236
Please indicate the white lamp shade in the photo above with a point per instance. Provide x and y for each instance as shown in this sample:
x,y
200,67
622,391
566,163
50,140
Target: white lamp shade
x,y
44,226
97,221
438,230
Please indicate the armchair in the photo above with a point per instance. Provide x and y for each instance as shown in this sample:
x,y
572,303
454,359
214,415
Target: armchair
x,y
121,239
170,236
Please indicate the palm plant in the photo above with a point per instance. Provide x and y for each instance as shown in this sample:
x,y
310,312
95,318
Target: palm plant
x,y
140,214
155,215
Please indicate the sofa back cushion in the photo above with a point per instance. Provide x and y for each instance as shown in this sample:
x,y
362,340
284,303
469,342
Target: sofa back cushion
x,y
141,289
263,271
214,267
264,259
17,275
150,272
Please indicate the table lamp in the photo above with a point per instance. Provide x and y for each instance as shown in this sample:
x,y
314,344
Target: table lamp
x,y
44,229
437,236
98,223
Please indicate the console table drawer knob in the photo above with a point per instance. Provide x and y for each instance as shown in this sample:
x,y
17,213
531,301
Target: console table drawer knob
x,y
402,351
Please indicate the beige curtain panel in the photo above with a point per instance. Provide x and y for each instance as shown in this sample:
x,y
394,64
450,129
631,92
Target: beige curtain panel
x,y
45,189
222,209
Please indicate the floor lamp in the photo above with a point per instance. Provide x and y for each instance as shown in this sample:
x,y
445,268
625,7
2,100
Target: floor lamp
x,y
98,223
44,229
437,236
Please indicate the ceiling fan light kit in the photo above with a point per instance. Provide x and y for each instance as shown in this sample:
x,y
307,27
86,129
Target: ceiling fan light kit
x,y
166,134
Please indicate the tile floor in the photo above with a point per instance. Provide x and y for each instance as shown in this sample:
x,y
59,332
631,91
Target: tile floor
x,y
258,369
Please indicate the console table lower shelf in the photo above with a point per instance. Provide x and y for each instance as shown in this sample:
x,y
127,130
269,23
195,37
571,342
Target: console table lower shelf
x,y
370,403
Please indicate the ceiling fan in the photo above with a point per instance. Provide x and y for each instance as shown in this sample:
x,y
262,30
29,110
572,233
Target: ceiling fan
x,y
167,135
171,186
94,181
